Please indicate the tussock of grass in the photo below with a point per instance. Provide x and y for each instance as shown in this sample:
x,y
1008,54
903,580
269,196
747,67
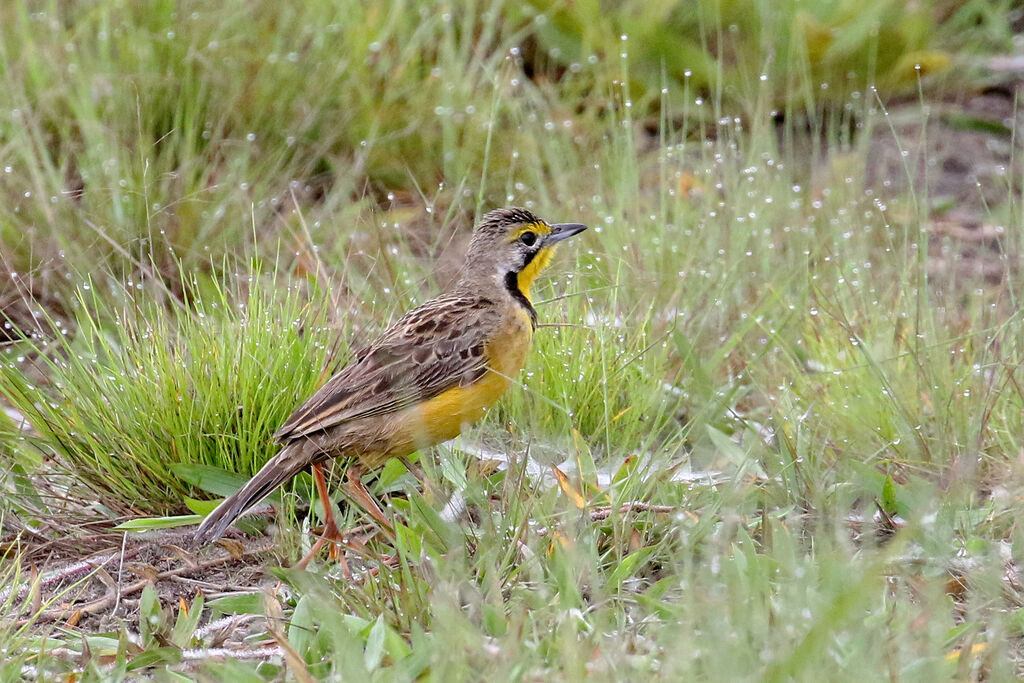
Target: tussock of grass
x,y
140,388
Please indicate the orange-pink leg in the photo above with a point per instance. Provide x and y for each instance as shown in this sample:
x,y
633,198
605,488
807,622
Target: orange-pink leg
x,y
355,490
331,532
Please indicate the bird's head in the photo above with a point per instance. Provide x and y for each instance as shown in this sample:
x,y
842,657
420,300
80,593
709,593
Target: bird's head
x,y
513,246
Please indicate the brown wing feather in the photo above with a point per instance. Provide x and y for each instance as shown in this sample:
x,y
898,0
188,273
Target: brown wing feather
x,y
430,349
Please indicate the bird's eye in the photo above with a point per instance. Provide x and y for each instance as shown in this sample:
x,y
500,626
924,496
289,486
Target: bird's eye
x,y
528,238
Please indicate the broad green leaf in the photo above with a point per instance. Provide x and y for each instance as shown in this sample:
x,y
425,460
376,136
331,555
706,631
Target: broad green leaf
x,y
147,523
375,644
201,507
301,630
187,621
243,603
214,479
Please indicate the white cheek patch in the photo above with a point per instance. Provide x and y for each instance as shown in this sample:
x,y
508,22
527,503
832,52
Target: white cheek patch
x,y
502,269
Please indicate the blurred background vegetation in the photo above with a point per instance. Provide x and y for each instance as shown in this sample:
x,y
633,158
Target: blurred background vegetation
x,y
137,135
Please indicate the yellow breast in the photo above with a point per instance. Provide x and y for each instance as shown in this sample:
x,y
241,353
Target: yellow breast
x,y
443,417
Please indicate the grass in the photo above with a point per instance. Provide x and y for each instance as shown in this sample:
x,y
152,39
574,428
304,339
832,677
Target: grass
x,y
131,400
821,429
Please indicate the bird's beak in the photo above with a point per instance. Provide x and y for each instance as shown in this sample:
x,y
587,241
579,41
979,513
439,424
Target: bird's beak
x,y
561,231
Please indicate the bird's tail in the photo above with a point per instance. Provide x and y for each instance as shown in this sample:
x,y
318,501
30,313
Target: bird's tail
x,y
291,460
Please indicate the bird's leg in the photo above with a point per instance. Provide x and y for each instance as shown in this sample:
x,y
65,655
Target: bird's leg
x,y
331,532
414,469
354,489
357,493
301,564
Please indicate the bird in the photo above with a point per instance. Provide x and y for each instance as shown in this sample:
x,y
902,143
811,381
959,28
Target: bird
x,y
420,383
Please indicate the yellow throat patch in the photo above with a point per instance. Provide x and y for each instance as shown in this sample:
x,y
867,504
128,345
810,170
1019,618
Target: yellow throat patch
x,y
541,261
528,274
